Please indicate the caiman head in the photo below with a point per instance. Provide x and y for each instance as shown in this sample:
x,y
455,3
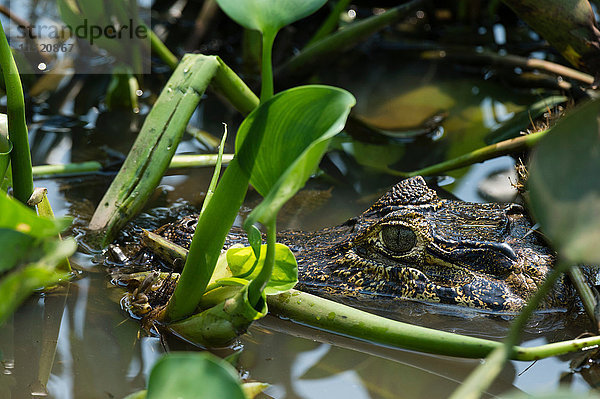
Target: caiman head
x,y
412,244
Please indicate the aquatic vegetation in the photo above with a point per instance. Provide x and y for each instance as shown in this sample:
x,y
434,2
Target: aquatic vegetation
x,y
22,178
279,146
32,253
185,375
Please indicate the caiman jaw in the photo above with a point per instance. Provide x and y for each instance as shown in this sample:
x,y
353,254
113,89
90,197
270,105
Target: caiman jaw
x,y
444,251
428,277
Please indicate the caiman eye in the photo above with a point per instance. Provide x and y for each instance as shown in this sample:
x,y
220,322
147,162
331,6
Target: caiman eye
x,y
398,238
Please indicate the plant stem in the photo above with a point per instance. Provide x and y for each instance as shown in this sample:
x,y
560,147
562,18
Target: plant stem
x,y
479,155
17,126
207,243
585,293
161,50
257,285
345,38
336,317
266,89
216,173
155,145
178,161
330,23
489,58
227,83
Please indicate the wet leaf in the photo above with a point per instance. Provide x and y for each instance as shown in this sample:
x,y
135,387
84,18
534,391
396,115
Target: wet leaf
x,y
564,184
13,245
16,216
568,25
193,375
285,270
221,324
281,142
17,285
268,15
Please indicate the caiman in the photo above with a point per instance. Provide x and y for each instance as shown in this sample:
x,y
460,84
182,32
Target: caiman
x,y
412,244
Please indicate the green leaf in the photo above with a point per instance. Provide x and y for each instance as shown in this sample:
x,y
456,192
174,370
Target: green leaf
x,y
17,285
193,375
221,324
280,144
155,145
268,15
564,184
16,216
5,149
285,270
13,246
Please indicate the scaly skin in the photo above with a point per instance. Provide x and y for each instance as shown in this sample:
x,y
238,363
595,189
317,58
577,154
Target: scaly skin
x,y
411,244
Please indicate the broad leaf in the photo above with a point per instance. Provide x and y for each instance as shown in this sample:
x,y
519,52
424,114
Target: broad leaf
x,y
16,216
14,247
280,144
18,284
268,15
193,375
241,261
564,184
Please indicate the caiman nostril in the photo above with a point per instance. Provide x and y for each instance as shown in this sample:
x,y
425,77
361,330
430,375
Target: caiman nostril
x,y
502,248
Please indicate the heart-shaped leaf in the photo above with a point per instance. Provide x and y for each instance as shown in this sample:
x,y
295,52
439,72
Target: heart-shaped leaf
x,y
280,144
268,16
285,270
565,187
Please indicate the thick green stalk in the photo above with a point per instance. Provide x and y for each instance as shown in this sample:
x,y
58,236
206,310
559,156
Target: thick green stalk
x,y
335,317
479,155
178,161
4,159
227,83
257,285
266,89
66,169
207,243
17,126
154,147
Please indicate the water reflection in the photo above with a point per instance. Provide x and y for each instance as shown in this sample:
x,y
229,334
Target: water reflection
x,y
304,363
75,343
